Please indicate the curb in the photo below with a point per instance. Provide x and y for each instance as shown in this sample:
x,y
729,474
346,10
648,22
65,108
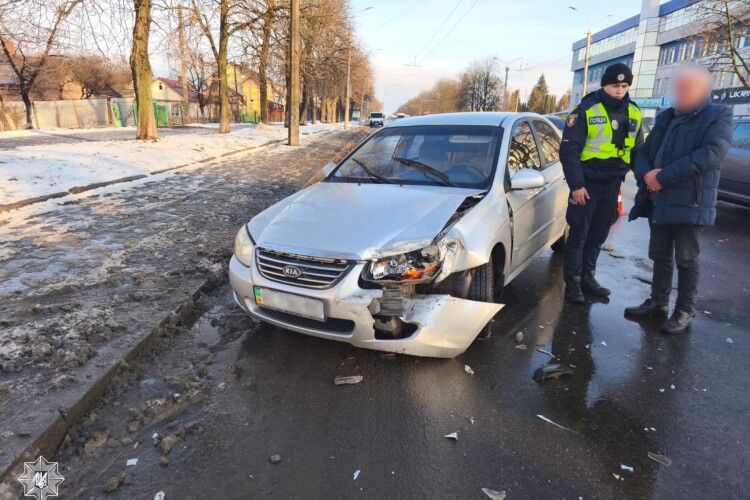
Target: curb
x,y
47,441
88,187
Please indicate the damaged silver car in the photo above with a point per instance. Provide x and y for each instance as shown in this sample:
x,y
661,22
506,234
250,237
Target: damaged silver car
x,y
406,244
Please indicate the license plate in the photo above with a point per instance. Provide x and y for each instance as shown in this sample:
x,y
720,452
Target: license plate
x,y
290,303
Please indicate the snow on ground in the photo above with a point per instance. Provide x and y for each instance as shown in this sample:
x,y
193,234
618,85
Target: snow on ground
x,y
35,170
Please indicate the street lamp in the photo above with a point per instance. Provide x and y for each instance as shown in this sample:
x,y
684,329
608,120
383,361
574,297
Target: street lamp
x,y
349,76
507,68
588,49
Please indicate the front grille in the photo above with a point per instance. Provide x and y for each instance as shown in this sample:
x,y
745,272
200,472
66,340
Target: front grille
x,y
335,326
315,272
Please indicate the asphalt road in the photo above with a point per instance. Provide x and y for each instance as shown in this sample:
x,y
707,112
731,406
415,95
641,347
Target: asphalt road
x,y
247,392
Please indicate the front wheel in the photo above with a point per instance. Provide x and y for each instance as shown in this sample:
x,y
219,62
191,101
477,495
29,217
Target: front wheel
x,y
486,287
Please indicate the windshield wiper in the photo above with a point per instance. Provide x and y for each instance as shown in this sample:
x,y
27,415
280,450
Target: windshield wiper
x,y
423,167
370,172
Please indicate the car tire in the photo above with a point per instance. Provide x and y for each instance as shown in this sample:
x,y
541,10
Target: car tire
x,y
559,244
486,287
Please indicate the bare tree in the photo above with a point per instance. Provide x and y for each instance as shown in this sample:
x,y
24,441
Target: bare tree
x,y
481,88
93,73
29,32
727,25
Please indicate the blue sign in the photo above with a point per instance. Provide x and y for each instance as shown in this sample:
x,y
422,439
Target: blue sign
x,y
654,102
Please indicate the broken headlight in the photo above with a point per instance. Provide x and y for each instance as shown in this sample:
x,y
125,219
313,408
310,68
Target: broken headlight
x,y
412,267
243,246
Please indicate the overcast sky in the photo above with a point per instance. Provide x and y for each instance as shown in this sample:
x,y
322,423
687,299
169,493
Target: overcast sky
x,y
444,36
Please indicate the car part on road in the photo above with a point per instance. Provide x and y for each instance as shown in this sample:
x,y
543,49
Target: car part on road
x,y
452,435
660,458
494,495
542,417
468,370
347,380
552,371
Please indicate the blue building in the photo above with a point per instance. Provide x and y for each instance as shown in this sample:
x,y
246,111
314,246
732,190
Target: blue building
x,y
653,43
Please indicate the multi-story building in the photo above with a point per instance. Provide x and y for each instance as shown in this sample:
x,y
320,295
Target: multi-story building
x,y
653,43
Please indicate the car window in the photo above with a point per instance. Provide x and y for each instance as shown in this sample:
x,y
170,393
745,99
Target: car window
x,y
549,141
741,137
523,152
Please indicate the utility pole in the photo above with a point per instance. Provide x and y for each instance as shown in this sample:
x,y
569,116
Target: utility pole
x,y
348,85
293,136
587,53
505,87
183,65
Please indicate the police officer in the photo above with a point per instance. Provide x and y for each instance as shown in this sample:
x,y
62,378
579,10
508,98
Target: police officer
x,y
596,151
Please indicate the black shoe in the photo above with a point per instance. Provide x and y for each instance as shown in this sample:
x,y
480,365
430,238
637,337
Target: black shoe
x,y
573,291
590,285
648,308
678,323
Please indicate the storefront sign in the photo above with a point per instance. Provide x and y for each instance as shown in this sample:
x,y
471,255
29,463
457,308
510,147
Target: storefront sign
x,y
737,95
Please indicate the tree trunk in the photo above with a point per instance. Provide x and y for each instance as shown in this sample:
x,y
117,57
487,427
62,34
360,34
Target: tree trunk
x,y
303,107
294,81
288,95
27,103
140,66
183,66
222,67
263,67
312,108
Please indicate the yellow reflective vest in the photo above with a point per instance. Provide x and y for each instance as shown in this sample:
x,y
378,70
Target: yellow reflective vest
x,y
599,137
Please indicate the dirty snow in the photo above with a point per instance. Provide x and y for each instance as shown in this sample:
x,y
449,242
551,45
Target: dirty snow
x,y
29,171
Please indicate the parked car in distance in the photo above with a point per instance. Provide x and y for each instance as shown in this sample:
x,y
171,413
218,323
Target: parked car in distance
x,y
734,185
406,244
400,115
376,119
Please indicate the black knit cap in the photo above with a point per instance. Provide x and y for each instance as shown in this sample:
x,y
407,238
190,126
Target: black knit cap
x,y
617,73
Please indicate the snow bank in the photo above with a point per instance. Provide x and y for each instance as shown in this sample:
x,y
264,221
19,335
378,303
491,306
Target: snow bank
x,y
37,170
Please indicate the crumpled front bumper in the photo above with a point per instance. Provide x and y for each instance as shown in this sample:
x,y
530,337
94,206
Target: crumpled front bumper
x,y
446,325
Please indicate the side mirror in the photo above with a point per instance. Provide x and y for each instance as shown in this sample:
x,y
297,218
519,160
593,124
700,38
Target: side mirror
x,y
527,178
328,168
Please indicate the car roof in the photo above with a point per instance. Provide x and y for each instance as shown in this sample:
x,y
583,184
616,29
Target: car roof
x,y
486,118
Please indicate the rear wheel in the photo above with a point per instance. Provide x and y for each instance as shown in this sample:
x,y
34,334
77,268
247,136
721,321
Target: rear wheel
x,y
559,244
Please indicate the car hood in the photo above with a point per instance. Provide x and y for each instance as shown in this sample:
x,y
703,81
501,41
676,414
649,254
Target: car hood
x,y
357,221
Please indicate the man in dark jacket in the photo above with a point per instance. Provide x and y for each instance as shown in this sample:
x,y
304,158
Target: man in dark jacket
x,y
677,170
598,140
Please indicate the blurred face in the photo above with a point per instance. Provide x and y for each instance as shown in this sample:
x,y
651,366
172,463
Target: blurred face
x,y
616,90
691,90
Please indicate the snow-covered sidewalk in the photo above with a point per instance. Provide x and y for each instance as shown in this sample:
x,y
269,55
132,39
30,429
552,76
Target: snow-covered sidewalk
x,y
31,171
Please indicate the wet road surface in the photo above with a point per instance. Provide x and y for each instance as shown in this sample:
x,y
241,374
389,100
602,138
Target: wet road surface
x,y
246,392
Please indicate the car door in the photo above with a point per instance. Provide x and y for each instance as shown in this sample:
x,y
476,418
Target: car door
x,y
556,189
529,207
735,172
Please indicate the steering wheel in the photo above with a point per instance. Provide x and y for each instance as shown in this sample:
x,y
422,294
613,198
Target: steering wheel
x,y
468,168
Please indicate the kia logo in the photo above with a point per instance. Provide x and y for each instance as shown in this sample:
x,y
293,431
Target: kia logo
x,y
291,271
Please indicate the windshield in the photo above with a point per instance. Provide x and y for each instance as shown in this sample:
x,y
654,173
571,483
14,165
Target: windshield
x,y
441,155
376,115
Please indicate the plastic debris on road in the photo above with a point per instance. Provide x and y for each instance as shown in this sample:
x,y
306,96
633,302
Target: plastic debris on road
x,y
555,423
660,458
468,370
348,379
521,347
356,474
730,340
519,337
494,495
551,371
274,459
539,349
159,496
131,461
452,435
626,467
603,343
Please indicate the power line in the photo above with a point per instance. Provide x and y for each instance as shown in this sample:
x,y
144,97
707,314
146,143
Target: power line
x,y
452,28
398,15
447,18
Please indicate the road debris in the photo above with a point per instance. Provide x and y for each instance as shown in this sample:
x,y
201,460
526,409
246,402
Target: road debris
x,y
114,483
131,461
519,337
539,349
608,247
603,343
551,371
672,386
556,424
660,458
468,370
155,437
347,379
521,347
452,435
494,495
274,459
627,468
618,477
356,474
730,340
707,313
159,496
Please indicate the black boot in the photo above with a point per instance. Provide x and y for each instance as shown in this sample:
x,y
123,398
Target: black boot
x,y
678,323
573,291
590,285
649,308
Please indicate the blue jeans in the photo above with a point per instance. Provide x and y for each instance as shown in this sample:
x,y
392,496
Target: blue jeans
x,y
670,243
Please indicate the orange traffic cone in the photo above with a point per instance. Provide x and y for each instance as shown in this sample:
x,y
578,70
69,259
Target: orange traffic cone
x,y
620,209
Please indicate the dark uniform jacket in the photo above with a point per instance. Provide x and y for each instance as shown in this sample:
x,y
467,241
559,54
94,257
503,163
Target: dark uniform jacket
x,y
690,159
578,173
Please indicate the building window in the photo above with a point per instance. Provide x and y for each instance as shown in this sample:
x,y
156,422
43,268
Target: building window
x,y
680,17
610,43
160,86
